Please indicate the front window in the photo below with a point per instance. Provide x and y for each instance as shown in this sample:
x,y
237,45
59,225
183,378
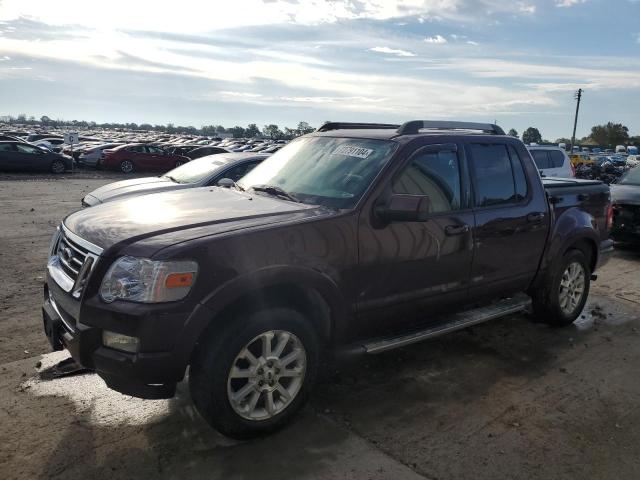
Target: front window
x,y
334,172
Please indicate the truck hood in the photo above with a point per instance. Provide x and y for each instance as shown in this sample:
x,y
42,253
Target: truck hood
x,y
629,194
134,186
185,214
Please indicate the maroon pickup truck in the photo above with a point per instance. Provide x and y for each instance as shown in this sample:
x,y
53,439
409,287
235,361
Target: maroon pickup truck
x,y
355,239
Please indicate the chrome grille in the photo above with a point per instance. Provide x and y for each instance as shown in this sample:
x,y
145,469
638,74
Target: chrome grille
x,y
72,256
71,261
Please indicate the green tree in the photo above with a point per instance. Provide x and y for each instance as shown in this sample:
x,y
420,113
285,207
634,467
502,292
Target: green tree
x,y
531,135
237,132
304,128
252,130
513,133
611,134
220,129
272,131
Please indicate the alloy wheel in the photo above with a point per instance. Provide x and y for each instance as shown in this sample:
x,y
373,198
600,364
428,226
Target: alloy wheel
x,y
267,375
58,166
572,287
126,166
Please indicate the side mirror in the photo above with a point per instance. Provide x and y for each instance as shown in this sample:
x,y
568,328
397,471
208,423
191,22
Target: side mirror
x,y
405,208
226,183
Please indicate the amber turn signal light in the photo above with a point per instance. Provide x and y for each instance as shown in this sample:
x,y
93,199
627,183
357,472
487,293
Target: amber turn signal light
x,y
179,280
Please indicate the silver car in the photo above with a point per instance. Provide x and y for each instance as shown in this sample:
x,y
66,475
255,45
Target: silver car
x,y
201,172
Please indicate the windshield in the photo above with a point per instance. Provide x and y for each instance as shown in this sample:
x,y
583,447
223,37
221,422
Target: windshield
x,y
334,172
196,170
632,177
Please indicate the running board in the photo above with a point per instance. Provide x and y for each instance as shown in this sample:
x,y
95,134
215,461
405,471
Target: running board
x,y
454,322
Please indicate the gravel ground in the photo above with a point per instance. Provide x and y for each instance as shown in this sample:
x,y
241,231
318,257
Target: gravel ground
x,y
508,399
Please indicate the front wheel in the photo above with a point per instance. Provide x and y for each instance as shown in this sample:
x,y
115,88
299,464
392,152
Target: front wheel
x,y
252,377
562,296
127,166
58,166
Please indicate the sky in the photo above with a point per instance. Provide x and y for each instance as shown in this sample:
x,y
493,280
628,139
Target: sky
x,y
193,62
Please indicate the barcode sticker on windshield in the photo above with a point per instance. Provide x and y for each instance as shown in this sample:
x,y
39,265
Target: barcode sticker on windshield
x,y
351,151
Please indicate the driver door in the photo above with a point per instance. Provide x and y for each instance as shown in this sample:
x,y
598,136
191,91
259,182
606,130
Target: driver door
x,y
411,269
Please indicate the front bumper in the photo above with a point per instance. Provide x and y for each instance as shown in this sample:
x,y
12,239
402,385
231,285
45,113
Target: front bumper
x,y
150,375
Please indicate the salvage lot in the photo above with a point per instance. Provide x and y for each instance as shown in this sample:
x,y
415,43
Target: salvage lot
x,y
509,399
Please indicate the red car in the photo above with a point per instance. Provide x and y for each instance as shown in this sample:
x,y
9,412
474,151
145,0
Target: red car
x,y
138,156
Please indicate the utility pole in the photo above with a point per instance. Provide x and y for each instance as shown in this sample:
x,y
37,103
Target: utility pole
x,y
577,96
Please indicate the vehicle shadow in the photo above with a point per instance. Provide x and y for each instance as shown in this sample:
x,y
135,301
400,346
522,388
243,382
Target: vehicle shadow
x,y
423,388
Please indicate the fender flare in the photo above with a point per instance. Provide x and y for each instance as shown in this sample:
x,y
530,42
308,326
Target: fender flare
x,y
251,284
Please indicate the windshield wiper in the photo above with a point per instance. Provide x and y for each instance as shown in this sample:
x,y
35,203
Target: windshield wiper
x,y
275,191
171,178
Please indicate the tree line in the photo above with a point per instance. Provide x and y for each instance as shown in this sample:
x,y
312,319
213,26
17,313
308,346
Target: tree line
x,y
607,135
252,130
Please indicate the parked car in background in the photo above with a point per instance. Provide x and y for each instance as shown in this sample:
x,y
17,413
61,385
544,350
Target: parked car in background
x,y
90,156
625,196
139,157
204,151
23,157
552,161
202,172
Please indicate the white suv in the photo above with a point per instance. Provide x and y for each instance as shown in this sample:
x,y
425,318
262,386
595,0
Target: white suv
x,y
552,161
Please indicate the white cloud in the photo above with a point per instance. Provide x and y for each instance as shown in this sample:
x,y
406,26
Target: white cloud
x,y
393,51
438,39
526,8
471,42
209,16
568,3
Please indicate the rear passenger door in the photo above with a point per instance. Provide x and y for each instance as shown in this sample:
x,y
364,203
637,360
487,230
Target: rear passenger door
x,y
511,220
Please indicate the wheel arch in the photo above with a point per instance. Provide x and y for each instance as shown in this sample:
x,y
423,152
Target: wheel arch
x,y
312,293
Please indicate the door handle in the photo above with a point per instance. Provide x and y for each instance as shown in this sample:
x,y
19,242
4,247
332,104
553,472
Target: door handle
x,y
535,217
456,229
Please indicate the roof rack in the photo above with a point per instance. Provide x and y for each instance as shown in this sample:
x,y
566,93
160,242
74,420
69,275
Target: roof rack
x,y
415,126
345,125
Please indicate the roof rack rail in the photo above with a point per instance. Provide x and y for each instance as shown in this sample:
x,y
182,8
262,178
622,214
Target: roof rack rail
x,y
415,126
345,125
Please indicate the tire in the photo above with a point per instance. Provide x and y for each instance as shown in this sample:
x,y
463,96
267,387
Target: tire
x,y
553,302
58,166
212,388
127,166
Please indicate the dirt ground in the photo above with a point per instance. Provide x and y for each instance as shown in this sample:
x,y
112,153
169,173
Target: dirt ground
x,y
507,399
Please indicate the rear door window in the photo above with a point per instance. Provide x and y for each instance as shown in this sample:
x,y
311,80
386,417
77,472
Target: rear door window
x,y
6,147
495,178
541,159
557,159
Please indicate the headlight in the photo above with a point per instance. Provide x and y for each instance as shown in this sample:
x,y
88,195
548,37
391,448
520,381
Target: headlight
x,y
148,281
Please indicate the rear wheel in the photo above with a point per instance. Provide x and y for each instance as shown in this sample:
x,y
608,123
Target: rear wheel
x,y
252,377
58,166
562,296
127,166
